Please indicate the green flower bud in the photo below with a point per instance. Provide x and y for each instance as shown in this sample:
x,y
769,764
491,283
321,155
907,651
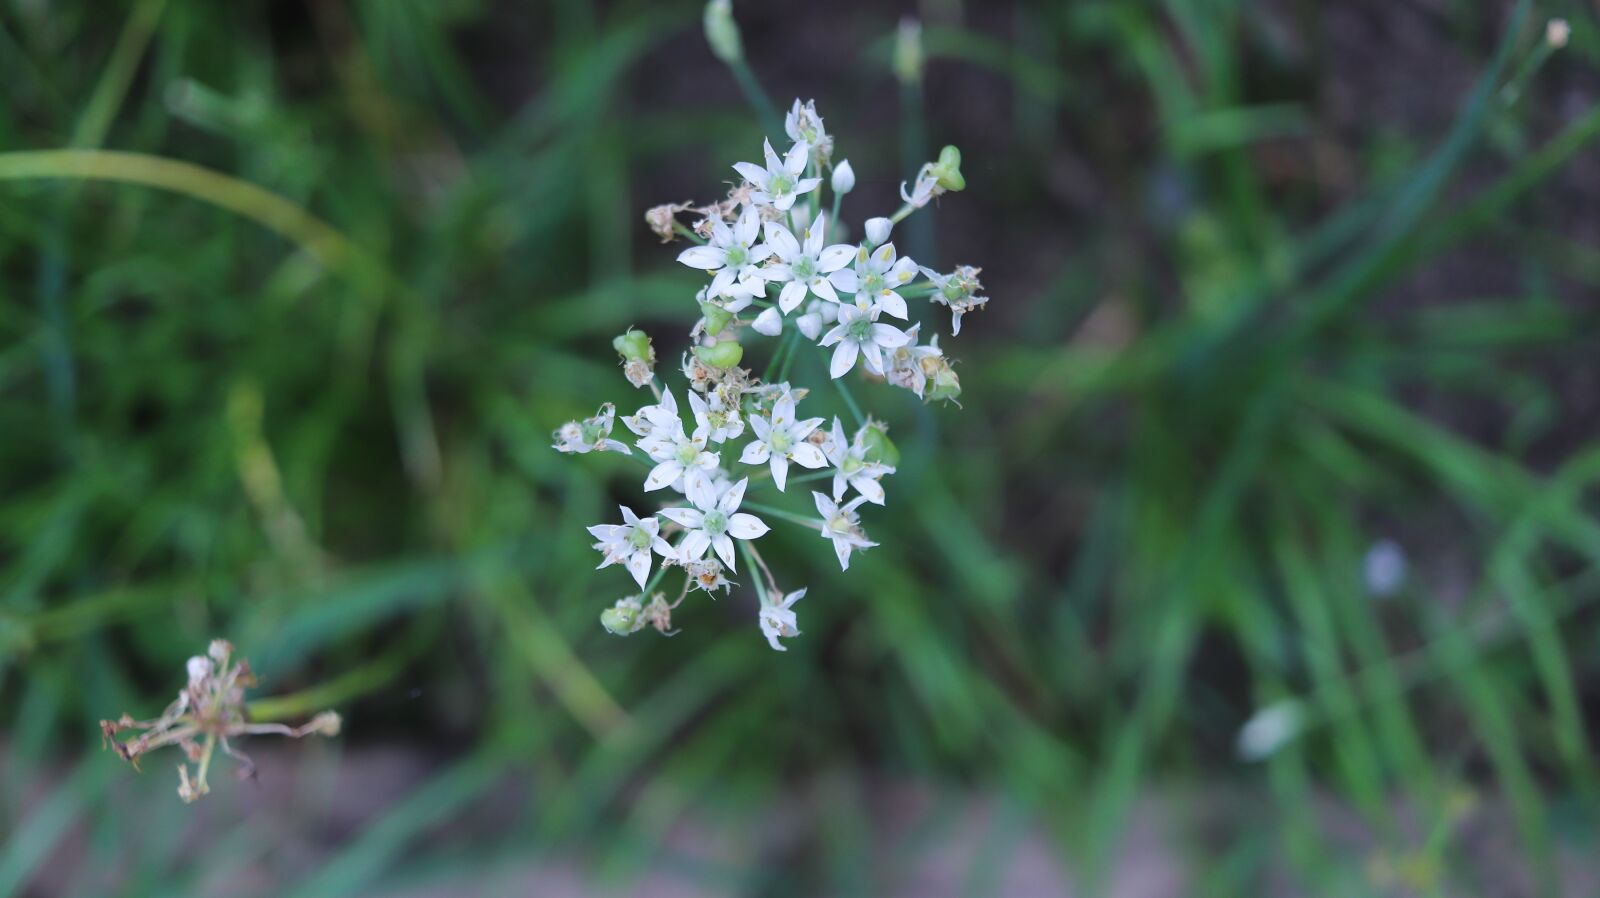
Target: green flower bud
x,y
908,51
945,385
948,169
717,317
723,355
722,32
619,621
879,448
633,346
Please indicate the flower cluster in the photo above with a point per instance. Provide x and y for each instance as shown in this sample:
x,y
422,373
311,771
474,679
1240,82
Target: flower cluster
x,y
781,266
208,714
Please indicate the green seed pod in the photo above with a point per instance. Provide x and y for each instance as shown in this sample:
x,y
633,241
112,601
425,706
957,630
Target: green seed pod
x,y
723,355
948,169
945,386
633,345
619,621
879,447
717,317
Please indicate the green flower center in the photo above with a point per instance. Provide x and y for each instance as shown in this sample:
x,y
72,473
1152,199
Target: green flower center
x,y
592,433
780,442
953,291
860,330
639,539
873,283
687,453
736,255
852,464
780,184
804,269
715,523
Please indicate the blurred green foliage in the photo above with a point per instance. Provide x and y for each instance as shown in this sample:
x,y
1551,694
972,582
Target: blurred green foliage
x,y
300,395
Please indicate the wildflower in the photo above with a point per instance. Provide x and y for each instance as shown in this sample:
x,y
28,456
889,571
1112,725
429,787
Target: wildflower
x,y
716,415
782,440
779,184
630,543
857,334
777,618
590,434
842,526
715,521
706,575
663,220
878,274
653,423
958,290
208,713
844,178
677,454
851,466
731,252
936,178
804,125
809,267
624,617
638,357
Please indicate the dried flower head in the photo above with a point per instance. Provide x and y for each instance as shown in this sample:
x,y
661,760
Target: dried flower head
x,y
209,713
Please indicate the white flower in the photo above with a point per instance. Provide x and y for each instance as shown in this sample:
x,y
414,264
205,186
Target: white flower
x,y
716,417
777,618
782,440
878,274
851,468
653,424
910,366
857,334
630,542
803,125
590,434
736,296
714,521
675,451
706,575
842,526
958,290
926,188
844,178
768,323
810,267
878,230
779,184
731,252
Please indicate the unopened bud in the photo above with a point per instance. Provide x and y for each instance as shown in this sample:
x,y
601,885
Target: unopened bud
x,y
844,178
945,386
1556,33
810,324
717,317
878,230
908,51
622,618
878,447
769,322
722,32
722,355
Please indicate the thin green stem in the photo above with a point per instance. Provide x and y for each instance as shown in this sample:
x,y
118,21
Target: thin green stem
x,y
687,232
802,520
750,563
848,397
756,96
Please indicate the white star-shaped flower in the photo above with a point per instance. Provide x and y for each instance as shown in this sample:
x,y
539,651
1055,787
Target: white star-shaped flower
x,y
809,267
909,365
842,526
630,543
879,274
590,434
714,522
731,252
782,440
851,468
653,424
716,416
777,618
804,125
676,452
958,290
858,334
779,184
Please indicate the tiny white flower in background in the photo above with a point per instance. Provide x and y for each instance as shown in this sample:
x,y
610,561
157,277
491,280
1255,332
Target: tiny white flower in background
x,y
731,252
768,323
676,452
779,184
590,434
844,178
1384,568
879,274
858,335
878,230
714,522
777,618
716,417
842,527
804,125
851,468
630,543
782,440
809,267
958,290
1270,729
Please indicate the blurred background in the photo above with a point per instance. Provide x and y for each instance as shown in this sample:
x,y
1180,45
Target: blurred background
x,y
1261,560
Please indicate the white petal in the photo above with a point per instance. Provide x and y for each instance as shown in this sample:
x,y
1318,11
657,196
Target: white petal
x,y
628,517
889,335
751,172
871,489
694,546
729,503
893,303
825,506
755,452
701,491
835,257
780,471
844,358
824,289
846,280
639,566
773,164
746,526
691,518
781,241
783,411
872,357
793,293
833,336
663,475
724,546
705,258
809,456
795,162
841,548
